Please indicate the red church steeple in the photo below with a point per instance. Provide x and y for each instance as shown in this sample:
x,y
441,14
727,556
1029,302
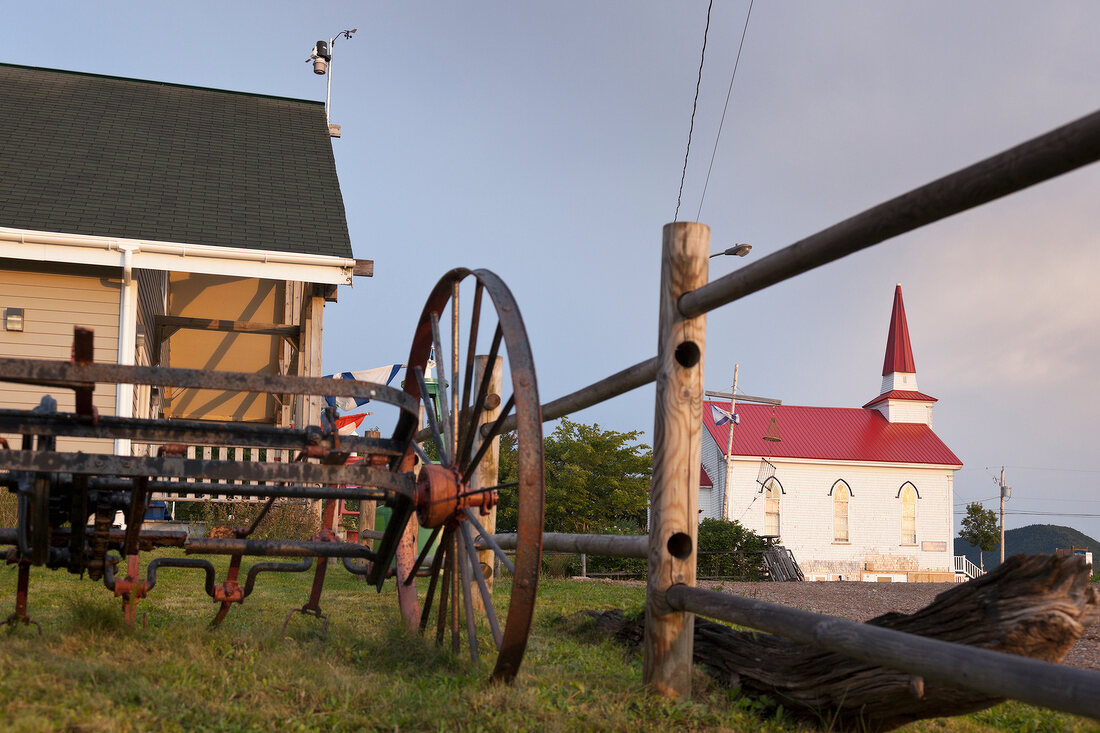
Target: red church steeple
x,y
898,399
899,352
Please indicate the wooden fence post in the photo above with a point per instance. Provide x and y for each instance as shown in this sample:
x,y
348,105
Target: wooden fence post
x,y
487,471
677,440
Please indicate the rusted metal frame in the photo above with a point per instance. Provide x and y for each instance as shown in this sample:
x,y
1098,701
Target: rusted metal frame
x,y
1057,152
274,567
73,376
187,432
429,411
490,540
266,491
278,548
441,384
487,438
78,514
22,590
84,355
479,576
433,573
176,467
193,563
139,493
464,572
229,592
996,674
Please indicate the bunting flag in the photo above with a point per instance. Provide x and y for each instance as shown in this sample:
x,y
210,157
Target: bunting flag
x,y
347,424
381,375
721,417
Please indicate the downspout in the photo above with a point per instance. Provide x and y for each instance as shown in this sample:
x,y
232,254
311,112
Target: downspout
x,y
127,341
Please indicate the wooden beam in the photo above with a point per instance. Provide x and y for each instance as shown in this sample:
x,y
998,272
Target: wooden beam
x,y
363,268
165,326
677,443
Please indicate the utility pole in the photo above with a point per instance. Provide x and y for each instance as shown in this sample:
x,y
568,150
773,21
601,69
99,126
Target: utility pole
x,y
733,396
729,448
1006,491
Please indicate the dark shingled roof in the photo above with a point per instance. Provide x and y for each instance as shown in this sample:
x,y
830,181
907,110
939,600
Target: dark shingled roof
x,y
100,155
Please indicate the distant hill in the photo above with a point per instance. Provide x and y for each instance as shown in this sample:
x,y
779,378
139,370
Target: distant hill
x,y
1035,538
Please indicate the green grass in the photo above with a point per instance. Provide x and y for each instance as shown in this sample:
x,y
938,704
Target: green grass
x,y
91,671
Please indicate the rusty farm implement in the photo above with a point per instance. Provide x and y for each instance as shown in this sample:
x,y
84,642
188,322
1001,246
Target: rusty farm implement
x,y
67,500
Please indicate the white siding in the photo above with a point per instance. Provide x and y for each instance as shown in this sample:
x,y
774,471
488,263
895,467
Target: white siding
x,y
711,503
874,515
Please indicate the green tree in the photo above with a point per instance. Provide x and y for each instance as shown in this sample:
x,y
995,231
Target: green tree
x,y
597,481
979,528
717,536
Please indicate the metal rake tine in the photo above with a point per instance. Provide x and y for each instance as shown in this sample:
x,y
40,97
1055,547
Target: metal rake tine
x,y
429,409
494,430
441,382
420,558
479,400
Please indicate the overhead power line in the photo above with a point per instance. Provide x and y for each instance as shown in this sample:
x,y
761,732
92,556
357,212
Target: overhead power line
x,y
694,104
722,123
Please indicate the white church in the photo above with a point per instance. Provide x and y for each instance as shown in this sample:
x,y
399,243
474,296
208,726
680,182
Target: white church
x,y
855,493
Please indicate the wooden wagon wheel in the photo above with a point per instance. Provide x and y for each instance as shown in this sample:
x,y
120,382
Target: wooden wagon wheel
x,y
446,503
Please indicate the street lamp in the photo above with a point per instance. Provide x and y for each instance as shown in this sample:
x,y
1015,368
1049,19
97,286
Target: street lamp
x,y
737,250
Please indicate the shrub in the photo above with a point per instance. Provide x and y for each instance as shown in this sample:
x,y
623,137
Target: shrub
x,y
729,537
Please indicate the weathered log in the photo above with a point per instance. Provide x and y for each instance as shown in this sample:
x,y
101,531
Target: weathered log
x,y
1035,606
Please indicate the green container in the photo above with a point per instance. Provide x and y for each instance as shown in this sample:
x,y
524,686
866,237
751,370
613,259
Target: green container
x,y
382,518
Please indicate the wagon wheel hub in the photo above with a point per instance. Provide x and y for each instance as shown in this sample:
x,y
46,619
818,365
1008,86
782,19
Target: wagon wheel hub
x,y
441,496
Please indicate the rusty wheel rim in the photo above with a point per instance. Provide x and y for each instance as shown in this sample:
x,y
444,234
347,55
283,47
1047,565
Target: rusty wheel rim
x,y
462,445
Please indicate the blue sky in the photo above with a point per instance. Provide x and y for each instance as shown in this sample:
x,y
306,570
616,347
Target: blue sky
x,y
545,142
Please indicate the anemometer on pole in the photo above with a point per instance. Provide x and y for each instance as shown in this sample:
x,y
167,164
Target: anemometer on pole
x,y
321,56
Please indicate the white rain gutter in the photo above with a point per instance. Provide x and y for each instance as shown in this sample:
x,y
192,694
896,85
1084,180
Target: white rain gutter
x,y
25,244
127,341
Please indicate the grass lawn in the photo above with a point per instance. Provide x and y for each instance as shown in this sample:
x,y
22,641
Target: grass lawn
x,y
90,671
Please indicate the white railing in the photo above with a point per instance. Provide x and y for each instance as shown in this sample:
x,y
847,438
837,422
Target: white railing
x,y
963,566
254,455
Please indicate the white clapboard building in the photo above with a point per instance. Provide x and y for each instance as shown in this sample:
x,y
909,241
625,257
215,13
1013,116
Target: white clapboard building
x,y
860,493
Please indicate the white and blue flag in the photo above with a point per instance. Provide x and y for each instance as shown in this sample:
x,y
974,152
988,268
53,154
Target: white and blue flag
x,y
380,375
721,417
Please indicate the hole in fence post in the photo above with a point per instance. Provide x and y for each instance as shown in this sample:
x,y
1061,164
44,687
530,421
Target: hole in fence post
x,y
679,545
687,354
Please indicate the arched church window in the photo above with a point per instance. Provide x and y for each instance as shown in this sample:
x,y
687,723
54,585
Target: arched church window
x,y
841,495
908,514
772,490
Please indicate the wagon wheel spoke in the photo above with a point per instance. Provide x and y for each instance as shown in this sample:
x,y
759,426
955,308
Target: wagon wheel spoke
x,y
491,542
472,424
429,412
482,586
437,563
464,567
441,387
420,558
465,420
487,441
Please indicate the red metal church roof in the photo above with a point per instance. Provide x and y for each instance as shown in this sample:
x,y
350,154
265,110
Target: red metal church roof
x,y
829,433
704,479
899,352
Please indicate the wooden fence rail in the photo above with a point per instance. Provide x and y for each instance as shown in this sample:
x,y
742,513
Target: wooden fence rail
x,y
1060,151
994,673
